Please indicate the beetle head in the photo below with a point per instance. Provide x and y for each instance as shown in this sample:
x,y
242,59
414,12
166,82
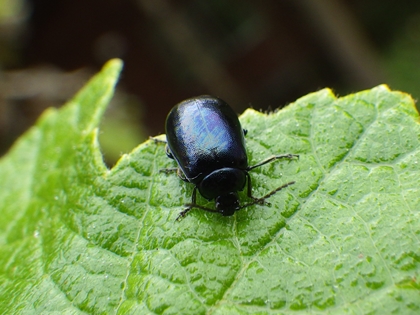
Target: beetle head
x,y
226,205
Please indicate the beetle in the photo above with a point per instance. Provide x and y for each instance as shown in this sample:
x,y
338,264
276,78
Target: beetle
x,y
205,138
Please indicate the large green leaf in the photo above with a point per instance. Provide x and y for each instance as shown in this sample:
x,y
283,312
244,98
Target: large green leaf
x,y
77,238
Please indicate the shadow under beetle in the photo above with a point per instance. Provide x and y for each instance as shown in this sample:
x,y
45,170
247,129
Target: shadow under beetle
x,y
205,138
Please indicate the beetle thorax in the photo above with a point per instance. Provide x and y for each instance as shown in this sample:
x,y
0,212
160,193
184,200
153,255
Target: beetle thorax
x,y
222,182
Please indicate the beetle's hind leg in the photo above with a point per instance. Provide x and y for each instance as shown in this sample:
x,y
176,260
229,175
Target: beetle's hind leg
x,y
169,155
167,150
156,140
176,170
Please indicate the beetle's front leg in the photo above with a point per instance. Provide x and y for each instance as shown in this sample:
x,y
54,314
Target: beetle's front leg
x,y
193,203
260,201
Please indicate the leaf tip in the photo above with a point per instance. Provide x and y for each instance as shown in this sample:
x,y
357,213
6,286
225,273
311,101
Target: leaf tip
x,y
115,64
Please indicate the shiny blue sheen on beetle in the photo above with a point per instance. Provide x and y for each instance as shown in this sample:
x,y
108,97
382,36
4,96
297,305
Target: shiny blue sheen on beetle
x,y
205,138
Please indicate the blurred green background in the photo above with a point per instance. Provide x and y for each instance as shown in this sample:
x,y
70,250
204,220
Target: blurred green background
x,y
261,54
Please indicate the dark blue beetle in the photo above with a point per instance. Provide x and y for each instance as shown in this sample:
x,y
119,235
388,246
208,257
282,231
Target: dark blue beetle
x,y
206,139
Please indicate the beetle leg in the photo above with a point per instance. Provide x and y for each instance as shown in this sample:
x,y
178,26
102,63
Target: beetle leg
x,y
169,170
176,170
273,158
182,214
249,192
182,175
189,206
249,185
277,189
193,204
262,200
156,140
168,152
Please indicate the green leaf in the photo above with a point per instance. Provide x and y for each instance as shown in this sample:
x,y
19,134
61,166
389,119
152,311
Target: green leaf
x,y
77,238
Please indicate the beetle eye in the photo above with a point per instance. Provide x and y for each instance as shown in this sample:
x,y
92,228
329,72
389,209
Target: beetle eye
x,y
226,205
